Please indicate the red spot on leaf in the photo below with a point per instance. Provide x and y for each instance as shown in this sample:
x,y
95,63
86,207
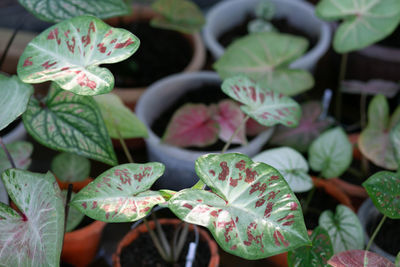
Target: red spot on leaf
x,y
46,65
83,80
293,206
272,194
94,205
71,47
258,187
212,172
253,93
86,38
188,206
240,165
278,237
225,171
84,205
289,123
108,33
234,247
268,209
65,68
102,48
67,33
228,226
124,44
54,35
260,202
27,62
250,175
123,176
113,41
234,182
145,173
109,53
251,237
273,178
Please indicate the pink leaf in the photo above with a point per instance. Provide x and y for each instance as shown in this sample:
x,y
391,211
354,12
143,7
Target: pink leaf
x,y
253,128
355,258
192,125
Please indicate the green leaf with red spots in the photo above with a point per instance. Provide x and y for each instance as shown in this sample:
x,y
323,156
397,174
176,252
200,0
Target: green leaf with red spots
x,y
70,53
192,125
121,194
316,255
33,236
266,107
70,123
179,15
359,258
384,190
251,210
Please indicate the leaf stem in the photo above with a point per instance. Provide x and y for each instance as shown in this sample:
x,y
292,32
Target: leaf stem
x,y
308,200
3,57
123,144
242,124
342,75
376,232
10,159
155,241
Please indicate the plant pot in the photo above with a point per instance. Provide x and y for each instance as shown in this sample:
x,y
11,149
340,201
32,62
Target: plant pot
x,y
141,229
16,134
228,14
144,13
179,170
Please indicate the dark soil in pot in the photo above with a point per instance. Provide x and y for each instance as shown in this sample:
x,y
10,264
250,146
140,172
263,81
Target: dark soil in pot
x,y
142,252
161,53
388,237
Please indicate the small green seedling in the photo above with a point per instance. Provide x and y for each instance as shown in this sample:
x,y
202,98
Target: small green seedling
x,y
264,12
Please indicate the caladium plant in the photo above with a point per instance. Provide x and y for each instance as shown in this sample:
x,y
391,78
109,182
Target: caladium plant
x,y
358,258
69,167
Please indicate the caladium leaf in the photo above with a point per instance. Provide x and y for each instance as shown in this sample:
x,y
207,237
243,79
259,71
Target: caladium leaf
x,y
331,153
384,190
251,211
266,107
20,151
192,125
395,142
265,57
229,117
364,21
69,167
70,53
14,98
71,123
291,164
344,228
33,236
179,15
74,215
374,141
372,87
316,255
359,258
118,118
121,194
309,128
58,10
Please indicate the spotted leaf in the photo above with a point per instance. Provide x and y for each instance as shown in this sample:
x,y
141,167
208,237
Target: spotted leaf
x,y
384,190
250,210
70,123
266,107
70,53
33,236
121,194
69,167
359,258
316,255
20,152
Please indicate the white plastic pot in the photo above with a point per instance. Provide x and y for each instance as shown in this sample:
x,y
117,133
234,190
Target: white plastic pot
x,y
300,14
179,162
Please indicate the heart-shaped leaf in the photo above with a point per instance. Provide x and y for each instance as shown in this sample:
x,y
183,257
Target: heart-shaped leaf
x,y
251,211
20,152
192,125
179,15
121,194
59,10
291,164
266,107
71,123
229,117
33,236
359,258
69,167
74,216
316,255
344,229
364,21
70,53
331,153
309,128
384,190
372,87
14,98
374,141
265,57
119,118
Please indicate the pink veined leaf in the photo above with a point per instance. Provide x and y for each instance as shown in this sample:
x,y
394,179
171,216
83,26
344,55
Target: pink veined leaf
x,y
192,125
253,128
229,116
359,258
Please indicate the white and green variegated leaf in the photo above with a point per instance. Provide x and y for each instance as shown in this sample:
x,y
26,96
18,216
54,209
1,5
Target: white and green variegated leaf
x,y
291,164
344,229
74,215
266,107
331,153
70,53
364,21
121,194
251,210
359,258
69,167
70,123
316,255
179,15
374,141
33,236
20,152
265,57
14,98
118,118
58,10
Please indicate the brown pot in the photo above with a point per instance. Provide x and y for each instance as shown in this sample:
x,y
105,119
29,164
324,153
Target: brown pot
x,y
141,229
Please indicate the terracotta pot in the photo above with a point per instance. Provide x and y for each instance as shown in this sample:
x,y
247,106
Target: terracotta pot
x,y
141,229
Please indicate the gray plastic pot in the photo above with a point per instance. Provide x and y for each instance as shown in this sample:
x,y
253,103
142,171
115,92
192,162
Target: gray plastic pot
x,y
179,162
227,14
